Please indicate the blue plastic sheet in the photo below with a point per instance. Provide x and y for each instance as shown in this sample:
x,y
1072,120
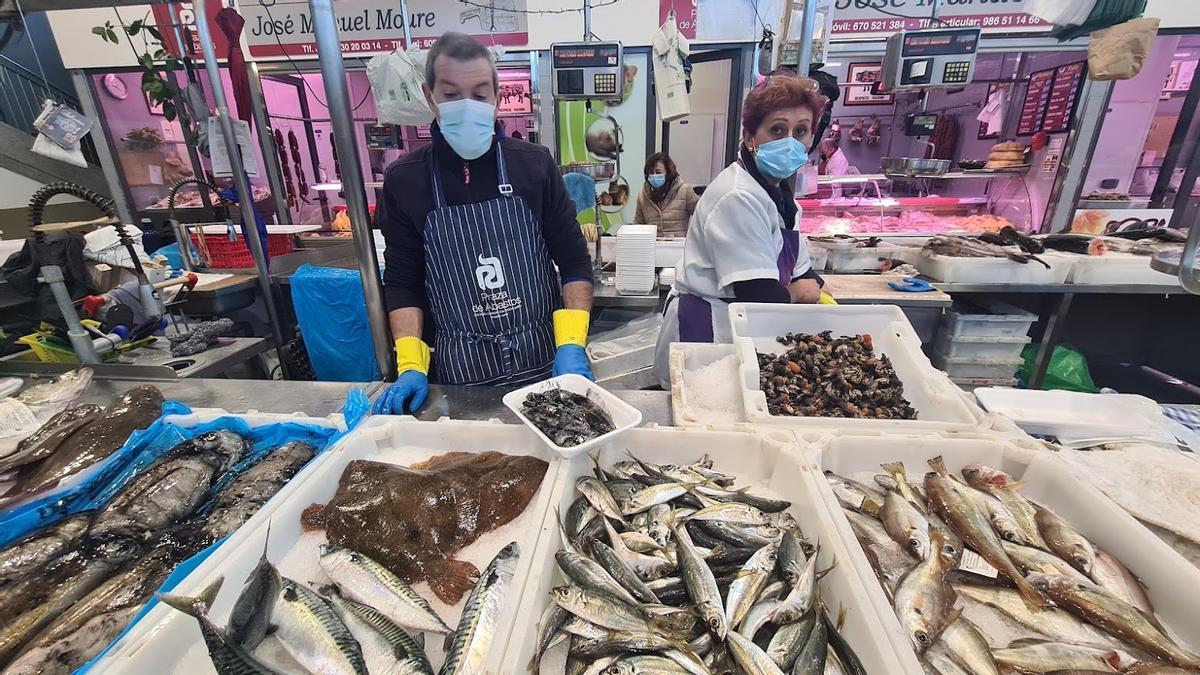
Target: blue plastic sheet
x,y
356,409
333,320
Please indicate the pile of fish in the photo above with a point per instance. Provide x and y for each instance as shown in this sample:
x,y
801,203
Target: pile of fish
x,y
1017,567
358,624
70,588
414,519
672,570
966,247
74,439
823,376
567,418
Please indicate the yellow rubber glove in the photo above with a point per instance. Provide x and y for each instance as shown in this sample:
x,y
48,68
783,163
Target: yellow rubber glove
x,y
412,354
826,299
571,327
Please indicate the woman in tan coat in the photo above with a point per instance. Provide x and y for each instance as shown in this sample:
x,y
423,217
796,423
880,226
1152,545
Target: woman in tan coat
x,y
666,201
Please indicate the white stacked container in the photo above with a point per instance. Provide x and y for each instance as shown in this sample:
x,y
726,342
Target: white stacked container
x,y
635,258
982,345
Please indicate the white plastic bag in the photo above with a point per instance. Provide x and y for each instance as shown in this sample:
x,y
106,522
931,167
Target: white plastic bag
x,y
396,81
1061,12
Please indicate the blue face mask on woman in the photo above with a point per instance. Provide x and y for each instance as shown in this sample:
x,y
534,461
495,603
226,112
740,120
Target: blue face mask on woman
x,y
657,180
468,126
781,159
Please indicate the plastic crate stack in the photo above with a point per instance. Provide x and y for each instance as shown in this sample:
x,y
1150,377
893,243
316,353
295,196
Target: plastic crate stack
x,y
980,344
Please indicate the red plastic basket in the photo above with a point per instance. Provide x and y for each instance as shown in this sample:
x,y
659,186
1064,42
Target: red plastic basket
x,y
225,254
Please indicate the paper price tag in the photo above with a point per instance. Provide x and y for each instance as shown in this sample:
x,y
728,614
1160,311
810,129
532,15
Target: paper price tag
x,y
973,563
15,417
848,498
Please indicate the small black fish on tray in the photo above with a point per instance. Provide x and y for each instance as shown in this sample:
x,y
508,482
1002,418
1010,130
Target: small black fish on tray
x,y
567,418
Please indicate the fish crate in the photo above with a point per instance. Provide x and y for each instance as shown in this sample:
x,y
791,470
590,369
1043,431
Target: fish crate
x,y
978,368
951,269
771,465
1172,583
168,641
1117,268
970,384
979,347
986,320
939,404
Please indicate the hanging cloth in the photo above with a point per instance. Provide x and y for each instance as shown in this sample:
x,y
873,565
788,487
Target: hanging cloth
x,y
993,111
670,76
230,23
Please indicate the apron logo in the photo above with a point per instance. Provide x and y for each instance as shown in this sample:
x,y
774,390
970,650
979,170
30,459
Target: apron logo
x,y
489,275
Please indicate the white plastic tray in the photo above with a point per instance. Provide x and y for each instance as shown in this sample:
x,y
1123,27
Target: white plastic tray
x,y
770,465
951,269
979,347
756,327
1068,413
692,407
169,641
1172,583
624,416
973,367
993,319
1117,268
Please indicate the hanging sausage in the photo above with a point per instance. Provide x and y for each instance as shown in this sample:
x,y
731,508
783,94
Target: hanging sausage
x,y
294,144
287,172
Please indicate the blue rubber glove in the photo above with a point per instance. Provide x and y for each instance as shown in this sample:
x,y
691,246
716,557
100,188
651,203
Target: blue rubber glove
x,y
405,395
572,360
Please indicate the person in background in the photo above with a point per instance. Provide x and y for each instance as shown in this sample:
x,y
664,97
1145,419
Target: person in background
x,y
666,201
833,160
742,245
484,256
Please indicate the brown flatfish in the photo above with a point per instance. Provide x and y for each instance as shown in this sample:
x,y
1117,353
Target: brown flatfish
x,y
414,519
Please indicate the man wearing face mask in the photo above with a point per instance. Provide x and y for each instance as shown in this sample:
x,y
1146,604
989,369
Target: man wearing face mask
x,y
476,224
742,245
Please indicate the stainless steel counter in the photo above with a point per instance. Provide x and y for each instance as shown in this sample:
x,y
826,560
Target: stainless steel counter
x,y
316,399
155,361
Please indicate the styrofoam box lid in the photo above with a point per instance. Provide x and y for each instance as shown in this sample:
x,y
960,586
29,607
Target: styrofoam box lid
x,y
1051,413
770,465
940,357
168,641
981,340
1172,583
624,416
756,327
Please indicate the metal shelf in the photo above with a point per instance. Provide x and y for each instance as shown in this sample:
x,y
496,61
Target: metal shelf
x,y
953,175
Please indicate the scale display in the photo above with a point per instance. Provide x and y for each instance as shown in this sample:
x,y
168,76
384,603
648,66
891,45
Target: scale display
x,y
587,69
930,59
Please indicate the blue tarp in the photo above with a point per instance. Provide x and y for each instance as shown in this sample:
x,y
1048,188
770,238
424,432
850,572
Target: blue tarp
x,y
333,320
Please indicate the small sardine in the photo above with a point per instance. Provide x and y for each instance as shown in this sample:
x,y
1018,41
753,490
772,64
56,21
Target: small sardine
x,y
600,498
741,536
1099,607
791,556
752,659
366,581
701,585
813,654
731,512
471,642
1065,542
580,512
654,495
645,664
640,542
799,600
939,659
905,524
590,574
549,626
600,608
744,590
659,523
647,566
789,642
620,570
227,657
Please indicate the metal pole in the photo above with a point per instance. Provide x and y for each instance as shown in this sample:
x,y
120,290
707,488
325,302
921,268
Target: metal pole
x,y
587,20
1081,142
266,143
246,200
193,153
407,30
341,120
808,26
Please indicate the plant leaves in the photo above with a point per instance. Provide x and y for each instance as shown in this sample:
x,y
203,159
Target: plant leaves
x,y
134,28
153,31
112,36
99,30
169,111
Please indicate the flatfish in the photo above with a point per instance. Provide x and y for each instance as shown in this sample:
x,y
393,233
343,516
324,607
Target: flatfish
x,y
412,520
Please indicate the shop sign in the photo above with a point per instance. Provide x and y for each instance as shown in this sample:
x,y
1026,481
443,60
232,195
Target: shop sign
x,y
276,28
880,18
685,15
187,20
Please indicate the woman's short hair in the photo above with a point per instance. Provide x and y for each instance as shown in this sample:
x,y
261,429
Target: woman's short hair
x,y
779,92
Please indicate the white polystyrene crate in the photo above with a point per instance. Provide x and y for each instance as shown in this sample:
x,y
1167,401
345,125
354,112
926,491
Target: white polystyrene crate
x,y
950,269
689,405
1117,268
994,319
771,465
168,641
979,347
978,368
971,384
624,416
1172,584
756,327
818,258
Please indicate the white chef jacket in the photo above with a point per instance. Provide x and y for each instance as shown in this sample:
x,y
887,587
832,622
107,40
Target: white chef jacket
x,y
736,234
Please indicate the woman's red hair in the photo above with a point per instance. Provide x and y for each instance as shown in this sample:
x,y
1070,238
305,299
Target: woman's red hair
x,y
780,92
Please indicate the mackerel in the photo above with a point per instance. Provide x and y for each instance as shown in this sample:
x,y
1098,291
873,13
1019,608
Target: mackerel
x,y
469,647
366,581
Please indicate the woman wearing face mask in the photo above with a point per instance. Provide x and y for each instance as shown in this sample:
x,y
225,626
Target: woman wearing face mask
x,y
742,245
666,201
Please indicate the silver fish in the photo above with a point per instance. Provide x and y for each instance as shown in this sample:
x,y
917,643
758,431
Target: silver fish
x,y
1001,486
659,527
791,556
646,664
923,599
1047,657
640,542
752,659
580,512
939,659
1065,542
854,495
814,650
898,474
967,646
626,577
1036,560
741,536
41,546
590,574
1118,580
312,633
600,498
647,566
228,658
549,627
799,600
369,624
731,512
654,495
600,608
250,619
789,642
362,579
701,585
1003,522
749,582
481,615
887,558
905,524
1101,608
1052,622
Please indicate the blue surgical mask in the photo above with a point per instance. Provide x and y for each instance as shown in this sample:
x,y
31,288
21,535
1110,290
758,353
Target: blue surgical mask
x,y
468,126
781,159
657,180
